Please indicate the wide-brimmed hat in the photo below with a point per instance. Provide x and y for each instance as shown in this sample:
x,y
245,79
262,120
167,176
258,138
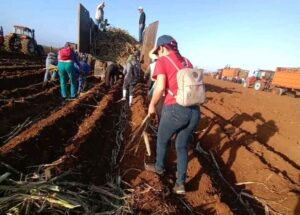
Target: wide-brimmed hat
x,y
140,8
152,55
163,40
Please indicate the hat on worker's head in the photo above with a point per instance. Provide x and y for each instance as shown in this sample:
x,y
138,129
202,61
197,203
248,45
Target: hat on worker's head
x,y
67,44
140,8
152,55
163,40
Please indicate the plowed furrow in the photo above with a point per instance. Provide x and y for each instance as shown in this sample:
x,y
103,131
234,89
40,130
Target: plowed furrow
x,y
16,81
25,91
44,140
29,103
92,145
13,56
16,112
19,62
21,68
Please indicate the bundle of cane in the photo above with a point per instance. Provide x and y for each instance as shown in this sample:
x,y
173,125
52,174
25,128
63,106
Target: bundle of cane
x,y
141,133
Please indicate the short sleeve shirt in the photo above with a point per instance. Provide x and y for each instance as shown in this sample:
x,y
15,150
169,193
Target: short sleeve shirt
x,y
165,67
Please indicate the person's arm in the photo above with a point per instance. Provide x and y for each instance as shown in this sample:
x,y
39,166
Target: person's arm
x,y
158,92
144,18
76,60
147,73
99,5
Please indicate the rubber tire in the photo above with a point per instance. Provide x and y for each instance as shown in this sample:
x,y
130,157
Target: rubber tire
x,y
291,94
28,46
278,91
7,44
258,85
1,40
40,50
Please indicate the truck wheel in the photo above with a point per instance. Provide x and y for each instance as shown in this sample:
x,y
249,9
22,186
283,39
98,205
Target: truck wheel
x,y
259,85
291,93
278,91
28,46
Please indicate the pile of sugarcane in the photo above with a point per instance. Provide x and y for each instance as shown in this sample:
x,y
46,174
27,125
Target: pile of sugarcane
x,y
114,44
35,194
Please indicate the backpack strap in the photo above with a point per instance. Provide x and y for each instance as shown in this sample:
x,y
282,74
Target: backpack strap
x,y
169,91
172,62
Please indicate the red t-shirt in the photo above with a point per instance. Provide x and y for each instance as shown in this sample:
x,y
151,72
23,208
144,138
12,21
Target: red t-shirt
x,y
165,67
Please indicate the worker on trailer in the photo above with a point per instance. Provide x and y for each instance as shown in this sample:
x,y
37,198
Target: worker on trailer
x,y
142,22
51,68
99,17
66,58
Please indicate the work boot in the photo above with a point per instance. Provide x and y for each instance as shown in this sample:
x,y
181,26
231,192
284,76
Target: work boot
x,y
179,189
130,100
124,93
151,168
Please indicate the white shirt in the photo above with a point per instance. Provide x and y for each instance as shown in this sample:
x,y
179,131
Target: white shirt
x,y
99,12
152,67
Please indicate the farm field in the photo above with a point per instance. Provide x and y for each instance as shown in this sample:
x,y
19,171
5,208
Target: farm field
x,y
244,157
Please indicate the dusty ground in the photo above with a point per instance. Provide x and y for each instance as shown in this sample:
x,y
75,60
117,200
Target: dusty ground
x,y
254,137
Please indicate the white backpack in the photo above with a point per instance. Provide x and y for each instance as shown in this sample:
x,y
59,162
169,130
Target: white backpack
x,y
191,90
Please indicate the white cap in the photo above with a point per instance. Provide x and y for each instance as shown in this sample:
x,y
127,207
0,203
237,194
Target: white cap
x,y
140,8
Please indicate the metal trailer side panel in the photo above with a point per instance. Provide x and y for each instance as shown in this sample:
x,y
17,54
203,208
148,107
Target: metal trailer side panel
x,y
84,29
287,79
230,72
148,44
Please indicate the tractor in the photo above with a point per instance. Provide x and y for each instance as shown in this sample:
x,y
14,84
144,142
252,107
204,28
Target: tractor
x,y
23,40
261,81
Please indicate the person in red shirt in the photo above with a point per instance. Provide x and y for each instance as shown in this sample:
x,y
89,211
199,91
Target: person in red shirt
x,y
175,119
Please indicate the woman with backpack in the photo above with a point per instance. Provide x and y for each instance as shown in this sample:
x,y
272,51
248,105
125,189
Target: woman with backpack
x,y
175,118
66,58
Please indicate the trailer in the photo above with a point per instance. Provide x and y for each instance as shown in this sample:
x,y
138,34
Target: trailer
x,y
230,73
236,75
286,81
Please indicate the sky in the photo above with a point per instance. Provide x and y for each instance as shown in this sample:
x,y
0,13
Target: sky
x,y
249,34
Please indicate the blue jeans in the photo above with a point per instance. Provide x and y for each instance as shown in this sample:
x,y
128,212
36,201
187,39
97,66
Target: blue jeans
x,y
181,121
81,82
141,30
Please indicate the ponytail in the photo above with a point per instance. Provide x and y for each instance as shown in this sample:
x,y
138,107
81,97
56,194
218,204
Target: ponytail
x,y
174,47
